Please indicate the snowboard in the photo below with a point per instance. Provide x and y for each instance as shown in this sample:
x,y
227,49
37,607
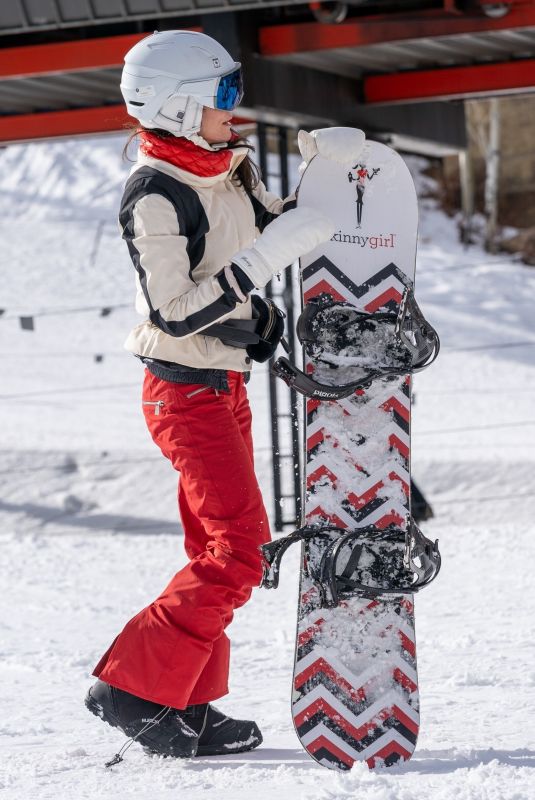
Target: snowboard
x,y
355,682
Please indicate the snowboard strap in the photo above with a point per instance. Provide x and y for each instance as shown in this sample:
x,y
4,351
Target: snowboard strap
x,y
244,332
421,562
274,551
235,332
397,561
416,339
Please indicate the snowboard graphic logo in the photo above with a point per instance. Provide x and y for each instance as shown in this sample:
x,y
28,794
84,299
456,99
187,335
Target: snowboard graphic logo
x,y
360,178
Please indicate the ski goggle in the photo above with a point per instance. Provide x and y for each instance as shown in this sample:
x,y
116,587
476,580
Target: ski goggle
x,y
229,91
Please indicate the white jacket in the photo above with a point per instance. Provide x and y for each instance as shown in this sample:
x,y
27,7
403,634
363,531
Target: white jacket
x,y
182,230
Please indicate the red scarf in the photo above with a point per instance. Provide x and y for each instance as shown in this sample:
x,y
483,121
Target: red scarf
x,y
186,155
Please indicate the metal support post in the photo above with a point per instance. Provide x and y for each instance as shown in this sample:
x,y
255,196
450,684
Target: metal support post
x,y
288,295
492,176
466,175
284,407
273,400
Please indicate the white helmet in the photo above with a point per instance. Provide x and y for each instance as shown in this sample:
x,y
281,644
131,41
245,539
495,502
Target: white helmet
x,y
168,77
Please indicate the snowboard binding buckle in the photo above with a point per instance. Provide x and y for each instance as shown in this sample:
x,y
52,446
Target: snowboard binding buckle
x,y
273,552
367,562
371,562
361,345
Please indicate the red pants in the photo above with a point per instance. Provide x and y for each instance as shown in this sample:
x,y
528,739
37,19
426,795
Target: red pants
x,y
175,651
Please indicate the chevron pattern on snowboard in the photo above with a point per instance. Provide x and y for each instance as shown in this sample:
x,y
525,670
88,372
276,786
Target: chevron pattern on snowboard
x,y
390,281
322,720
355,694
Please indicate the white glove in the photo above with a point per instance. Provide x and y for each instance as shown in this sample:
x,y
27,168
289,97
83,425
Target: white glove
x,y
342,145
293,234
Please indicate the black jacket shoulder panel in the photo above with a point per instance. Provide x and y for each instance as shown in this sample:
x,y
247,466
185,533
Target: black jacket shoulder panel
x,y
191,216
262,216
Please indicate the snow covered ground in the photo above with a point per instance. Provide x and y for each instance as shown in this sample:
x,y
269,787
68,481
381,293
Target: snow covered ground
x,y
89,532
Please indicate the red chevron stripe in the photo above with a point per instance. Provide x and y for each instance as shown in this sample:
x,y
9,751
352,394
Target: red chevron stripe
x,y
392,747
409,723
320,666
321,472
323,743
393,404
332,518
404,485
358,501
384,714
322,706
397,444
319,288
407,644
390,518
389,294
404,680
309,633
309,596
407,604
315,439
312,404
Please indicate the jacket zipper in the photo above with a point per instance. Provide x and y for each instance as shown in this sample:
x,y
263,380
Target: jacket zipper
x,y
158,404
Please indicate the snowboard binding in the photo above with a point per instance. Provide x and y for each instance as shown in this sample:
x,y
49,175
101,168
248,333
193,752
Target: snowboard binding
x,y
368,562
358,345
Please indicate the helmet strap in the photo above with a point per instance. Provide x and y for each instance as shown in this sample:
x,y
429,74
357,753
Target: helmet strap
x,y
181,115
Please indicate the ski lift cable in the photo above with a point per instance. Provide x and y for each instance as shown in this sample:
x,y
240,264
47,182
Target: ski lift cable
x,y
470,428
487,392
496,499
495,346
60,312
73,466
442,268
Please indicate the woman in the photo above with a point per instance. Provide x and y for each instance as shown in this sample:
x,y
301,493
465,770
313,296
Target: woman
x,y
189,214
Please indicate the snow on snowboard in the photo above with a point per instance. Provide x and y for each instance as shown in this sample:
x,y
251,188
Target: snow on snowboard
x,y
355,684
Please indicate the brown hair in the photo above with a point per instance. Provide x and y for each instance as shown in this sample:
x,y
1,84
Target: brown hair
x,y
247,173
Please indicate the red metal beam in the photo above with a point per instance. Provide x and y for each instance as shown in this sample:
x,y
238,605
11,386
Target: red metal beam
x,y
483,79
43,59
75,122
26,127
277,40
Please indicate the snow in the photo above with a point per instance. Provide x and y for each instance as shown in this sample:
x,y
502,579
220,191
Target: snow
x,y
89,531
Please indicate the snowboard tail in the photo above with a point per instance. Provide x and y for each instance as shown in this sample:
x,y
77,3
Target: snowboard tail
x,y
338,715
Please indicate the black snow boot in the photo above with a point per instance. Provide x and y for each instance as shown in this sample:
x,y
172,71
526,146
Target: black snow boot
x,y
219,734
160,729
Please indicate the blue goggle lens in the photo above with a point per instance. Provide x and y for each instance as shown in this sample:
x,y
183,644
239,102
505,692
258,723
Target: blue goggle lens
x,y
229,91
